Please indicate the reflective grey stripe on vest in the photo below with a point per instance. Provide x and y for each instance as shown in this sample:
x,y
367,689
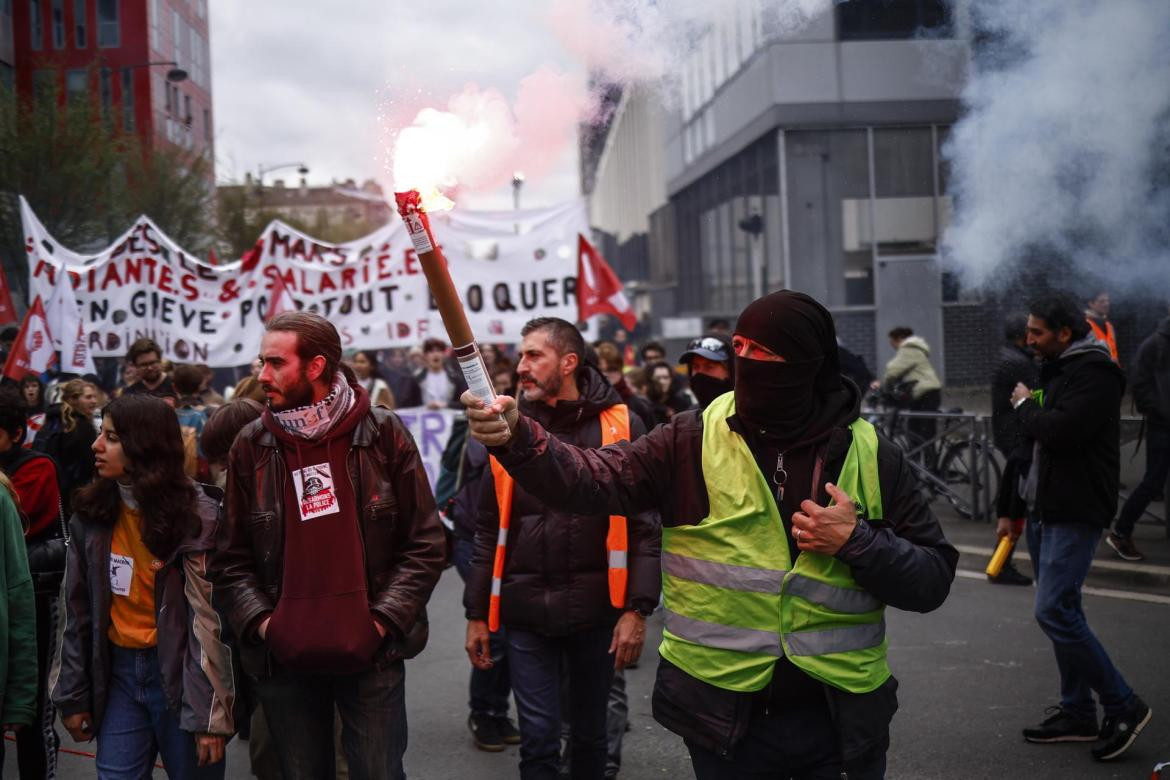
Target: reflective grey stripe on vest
x,y
746,640
723,575
844,600
837,640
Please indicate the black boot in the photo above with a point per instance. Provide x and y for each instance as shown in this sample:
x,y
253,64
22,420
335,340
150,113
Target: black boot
x,y
1010,575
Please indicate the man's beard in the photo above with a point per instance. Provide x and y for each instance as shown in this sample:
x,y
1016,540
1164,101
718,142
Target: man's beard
x,y
545,390
300,393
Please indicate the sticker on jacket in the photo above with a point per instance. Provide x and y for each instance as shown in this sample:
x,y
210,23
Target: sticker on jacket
x,y
121,574
315,493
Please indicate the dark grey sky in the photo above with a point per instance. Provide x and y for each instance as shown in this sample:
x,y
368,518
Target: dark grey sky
x,y
304,80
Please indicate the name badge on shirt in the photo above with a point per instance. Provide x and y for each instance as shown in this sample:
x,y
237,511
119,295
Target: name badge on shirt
x,y
121,574
315,493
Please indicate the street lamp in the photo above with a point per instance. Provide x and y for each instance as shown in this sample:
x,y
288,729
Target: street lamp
x,y
174,75
302,169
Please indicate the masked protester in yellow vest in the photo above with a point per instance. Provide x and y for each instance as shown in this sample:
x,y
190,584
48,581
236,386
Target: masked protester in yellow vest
x,y
789,525
558,582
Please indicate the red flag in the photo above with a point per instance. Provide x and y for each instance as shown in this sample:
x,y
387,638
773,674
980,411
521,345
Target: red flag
x,y
212,257
7,310
280,300
599,291
32,352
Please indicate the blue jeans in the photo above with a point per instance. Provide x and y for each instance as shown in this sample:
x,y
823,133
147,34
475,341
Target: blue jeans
x,y
137,725
489,688
299,709
1157,467
1061,554
536,665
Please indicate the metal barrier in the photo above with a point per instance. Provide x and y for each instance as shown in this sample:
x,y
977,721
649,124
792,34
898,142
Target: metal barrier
x,y
956,462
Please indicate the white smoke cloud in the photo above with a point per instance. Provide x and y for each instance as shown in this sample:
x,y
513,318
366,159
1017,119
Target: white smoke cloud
x,y
476,139
1065,146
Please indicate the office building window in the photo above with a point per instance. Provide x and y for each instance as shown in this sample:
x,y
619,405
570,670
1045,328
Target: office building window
x,y
207,125
177,37
904,208
36,25
728,232
187,118
109,30
869,20
58,24
156,25
76,84
128,100
80,29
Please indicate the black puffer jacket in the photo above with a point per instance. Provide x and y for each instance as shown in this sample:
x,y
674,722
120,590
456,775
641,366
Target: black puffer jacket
x,y
1078,430
556,579
1151,376
905,561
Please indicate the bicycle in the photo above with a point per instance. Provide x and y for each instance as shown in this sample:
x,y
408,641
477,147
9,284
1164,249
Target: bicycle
x,y
955,463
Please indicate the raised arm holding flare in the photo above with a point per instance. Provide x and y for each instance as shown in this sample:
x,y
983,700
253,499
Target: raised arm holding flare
x,y
789,525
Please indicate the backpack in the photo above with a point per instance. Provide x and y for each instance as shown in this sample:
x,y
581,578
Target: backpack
x,y
191,420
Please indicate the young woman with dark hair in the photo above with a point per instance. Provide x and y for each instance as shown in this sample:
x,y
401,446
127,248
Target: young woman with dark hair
x,y
147,673
365,366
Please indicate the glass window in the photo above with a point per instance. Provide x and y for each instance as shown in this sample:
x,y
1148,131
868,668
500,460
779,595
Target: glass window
x,y
177,36
861,20
128,100
187,118
76,84
109,32
207,133
904,209
156,25
58,24
36,25
827,175
80,30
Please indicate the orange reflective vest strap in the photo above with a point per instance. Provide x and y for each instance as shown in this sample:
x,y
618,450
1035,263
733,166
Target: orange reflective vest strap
x,y
504,488
615,427
1106,336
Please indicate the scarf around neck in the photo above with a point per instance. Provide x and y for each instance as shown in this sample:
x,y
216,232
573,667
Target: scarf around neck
x,y
313,421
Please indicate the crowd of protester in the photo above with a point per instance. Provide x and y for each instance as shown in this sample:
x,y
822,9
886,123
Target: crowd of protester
x,y
137,477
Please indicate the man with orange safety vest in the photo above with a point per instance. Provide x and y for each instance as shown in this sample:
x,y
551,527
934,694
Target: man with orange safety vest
x,y
789,526
565,586
1097,315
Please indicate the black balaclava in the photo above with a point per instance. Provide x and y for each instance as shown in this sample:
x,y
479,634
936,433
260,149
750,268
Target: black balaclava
x,y
781,400
707,388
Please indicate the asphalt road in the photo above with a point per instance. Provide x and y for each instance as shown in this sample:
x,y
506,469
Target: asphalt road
x,y
972,674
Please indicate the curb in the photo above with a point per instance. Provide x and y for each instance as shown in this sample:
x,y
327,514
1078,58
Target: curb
x,y
1101,572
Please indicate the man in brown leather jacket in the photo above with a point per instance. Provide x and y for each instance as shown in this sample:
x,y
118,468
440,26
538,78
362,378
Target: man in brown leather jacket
x,y
331,551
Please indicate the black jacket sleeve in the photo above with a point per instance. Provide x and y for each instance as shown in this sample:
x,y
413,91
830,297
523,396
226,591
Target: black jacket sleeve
x,y
904,559
478,588
70,687
1145,387
621,479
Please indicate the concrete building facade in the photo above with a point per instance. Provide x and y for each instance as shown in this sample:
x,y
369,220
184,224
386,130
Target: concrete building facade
x,y
808,159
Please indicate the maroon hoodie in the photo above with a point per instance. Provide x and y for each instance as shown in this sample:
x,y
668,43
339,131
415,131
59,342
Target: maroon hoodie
x,y
322,621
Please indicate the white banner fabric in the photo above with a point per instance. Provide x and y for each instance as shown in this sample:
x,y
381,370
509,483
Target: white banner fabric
x,y
508,267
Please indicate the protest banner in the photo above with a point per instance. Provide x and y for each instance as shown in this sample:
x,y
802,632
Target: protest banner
x,y
431,428
509,267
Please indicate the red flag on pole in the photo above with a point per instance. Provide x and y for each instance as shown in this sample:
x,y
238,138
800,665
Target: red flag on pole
x,y
280,300
7,310
599,291
32,352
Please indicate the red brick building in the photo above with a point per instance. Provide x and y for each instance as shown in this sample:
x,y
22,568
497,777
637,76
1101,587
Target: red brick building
x,y
102,48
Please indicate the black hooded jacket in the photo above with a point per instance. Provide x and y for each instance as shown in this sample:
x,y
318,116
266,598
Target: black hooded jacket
x,y
556,579
1078,433
1151,376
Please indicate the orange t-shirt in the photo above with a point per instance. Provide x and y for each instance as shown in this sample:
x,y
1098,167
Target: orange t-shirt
x,y
132,567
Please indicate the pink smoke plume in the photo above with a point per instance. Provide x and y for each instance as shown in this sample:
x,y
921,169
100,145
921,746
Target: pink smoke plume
x,y
480,140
